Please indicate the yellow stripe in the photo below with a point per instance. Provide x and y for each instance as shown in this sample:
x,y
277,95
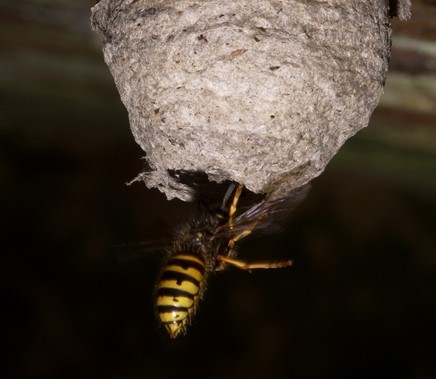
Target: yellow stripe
x,y
182,301
188,258
190,271
172,316
185,286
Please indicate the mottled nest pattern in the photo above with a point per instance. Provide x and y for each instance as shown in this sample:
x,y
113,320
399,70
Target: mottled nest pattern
x,y
262,93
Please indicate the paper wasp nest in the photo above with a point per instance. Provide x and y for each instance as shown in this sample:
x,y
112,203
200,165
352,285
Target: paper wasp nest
x,y
261,92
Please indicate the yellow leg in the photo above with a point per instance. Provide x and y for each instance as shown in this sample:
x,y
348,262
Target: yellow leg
x,y
234,205
243,234
238,263
252,266
236,238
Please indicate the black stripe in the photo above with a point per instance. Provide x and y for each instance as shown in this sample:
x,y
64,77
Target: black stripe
x,y
186,264
174,293
179,277
171,308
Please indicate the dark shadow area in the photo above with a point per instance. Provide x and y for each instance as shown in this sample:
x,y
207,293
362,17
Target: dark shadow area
x,y
359,301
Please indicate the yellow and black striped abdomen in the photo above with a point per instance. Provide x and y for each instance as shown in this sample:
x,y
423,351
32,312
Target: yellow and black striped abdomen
x,y
178,291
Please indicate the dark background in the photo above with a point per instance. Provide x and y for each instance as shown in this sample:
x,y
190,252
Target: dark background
x,y
359,302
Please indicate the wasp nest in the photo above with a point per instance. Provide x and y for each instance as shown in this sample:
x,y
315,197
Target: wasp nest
x,y
260,92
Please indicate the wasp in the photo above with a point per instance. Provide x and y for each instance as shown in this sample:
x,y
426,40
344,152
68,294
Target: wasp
x,y
205,245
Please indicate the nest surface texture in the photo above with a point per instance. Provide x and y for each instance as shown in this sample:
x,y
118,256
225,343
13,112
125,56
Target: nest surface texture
x,y
260,92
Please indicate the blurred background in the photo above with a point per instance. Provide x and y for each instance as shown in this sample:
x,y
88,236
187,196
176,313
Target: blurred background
x,y
359,302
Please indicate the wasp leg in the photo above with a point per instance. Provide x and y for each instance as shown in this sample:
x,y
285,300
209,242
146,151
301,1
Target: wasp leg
x,y
244,233
236,238
252,266
233,207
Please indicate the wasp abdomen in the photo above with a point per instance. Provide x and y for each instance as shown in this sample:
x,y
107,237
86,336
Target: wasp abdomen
x,y
178,291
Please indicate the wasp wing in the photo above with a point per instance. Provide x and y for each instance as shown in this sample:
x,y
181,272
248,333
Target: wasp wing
x,y
264,216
